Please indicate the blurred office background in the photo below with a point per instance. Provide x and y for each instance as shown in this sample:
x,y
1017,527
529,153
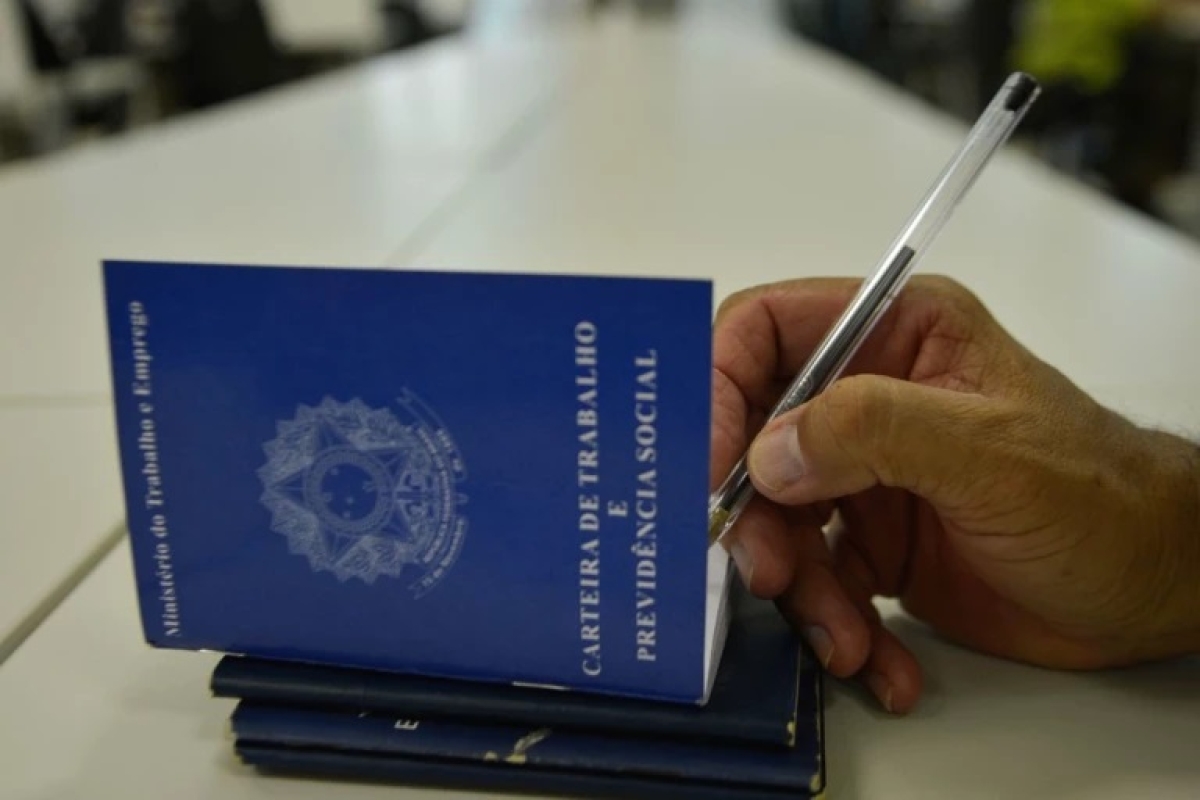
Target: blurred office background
x,y
1120,110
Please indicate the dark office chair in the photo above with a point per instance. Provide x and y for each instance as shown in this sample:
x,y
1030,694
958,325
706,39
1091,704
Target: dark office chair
x,y
405,25
224,50
61,61
1154,117
103,31
990,33
47,54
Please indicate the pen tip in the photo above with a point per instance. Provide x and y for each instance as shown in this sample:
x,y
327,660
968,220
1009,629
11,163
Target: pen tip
x,y
716,524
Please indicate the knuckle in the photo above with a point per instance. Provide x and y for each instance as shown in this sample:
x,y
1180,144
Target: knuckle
x,y
763,294
944,286
955,297
771,579
859,414
729,411
737,300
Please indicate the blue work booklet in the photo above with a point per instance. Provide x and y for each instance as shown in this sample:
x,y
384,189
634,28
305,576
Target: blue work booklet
x,y
491,477
759,736
757,700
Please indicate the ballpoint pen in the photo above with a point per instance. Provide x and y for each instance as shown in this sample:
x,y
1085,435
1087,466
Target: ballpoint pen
x,y
989,133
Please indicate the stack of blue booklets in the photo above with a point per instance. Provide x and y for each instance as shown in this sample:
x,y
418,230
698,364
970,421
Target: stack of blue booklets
x,y
450,529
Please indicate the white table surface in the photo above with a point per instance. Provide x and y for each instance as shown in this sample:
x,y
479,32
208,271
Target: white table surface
x,y
739,156
727,153
91,712
61,495
345,171
342,170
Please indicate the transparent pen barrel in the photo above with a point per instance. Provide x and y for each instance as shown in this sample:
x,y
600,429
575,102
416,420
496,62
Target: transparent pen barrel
x,y
990,131
988,134
831,356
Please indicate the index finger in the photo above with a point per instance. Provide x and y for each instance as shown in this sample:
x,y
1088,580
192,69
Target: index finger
x,y
763,336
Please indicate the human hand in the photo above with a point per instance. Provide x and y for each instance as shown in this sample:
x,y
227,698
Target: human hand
x,y
970,480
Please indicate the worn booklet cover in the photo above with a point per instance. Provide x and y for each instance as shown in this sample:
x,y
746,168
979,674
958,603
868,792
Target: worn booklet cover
x,y
754,701
649,743
481,476
359,765
643,749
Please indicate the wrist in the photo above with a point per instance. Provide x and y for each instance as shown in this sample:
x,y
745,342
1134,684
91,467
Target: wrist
x,y
1175,629
1193,644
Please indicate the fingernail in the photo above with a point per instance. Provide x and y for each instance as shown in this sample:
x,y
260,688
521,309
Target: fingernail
x,y
821,643
744,560
775,458
882,689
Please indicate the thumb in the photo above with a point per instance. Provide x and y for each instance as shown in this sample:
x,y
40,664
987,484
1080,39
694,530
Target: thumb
x,y
866,431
